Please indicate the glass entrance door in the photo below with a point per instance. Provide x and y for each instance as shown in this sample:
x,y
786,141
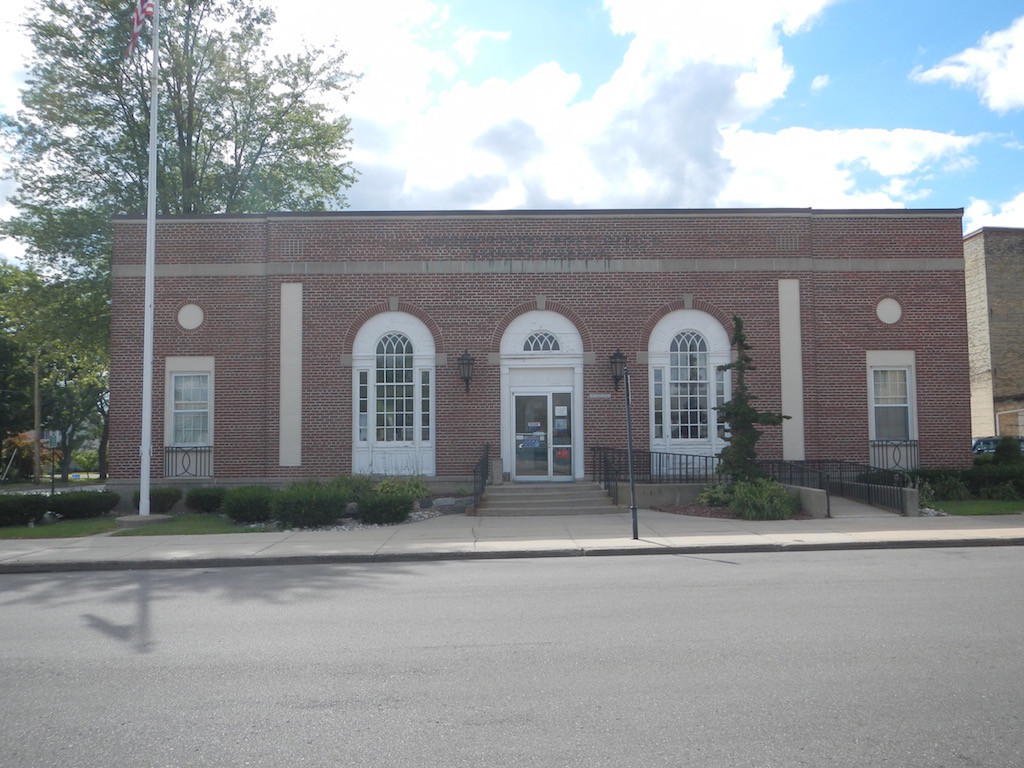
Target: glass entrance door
x,y
543,435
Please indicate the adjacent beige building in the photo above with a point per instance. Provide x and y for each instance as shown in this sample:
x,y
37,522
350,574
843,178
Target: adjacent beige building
x,y
994,263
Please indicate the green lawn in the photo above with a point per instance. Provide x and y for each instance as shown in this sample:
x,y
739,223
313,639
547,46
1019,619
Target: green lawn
x,y
979,507
193,525
66,529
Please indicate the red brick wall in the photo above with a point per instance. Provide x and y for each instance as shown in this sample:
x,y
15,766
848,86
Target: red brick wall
x,y
726,263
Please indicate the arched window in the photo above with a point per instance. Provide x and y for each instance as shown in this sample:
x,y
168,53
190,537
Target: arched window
x,y
685,351
395,390
541,341
393,358
688,387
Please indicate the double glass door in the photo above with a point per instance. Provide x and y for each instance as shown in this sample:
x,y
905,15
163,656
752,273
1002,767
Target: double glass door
x,y
543,435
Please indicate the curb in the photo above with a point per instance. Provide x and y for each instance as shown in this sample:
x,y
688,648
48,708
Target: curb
x,y
520,554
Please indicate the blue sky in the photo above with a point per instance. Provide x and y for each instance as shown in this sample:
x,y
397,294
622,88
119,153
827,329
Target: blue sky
x,y
670,103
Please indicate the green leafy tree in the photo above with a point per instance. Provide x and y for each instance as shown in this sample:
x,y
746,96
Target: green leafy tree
x,y
739,458
15,365
58,332
240,131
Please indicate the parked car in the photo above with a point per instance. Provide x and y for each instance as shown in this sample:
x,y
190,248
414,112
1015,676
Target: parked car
x,y
988,444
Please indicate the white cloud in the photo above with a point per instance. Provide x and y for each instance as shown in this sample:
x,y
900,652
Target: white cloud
x,y
469,42
819,83
994,68
981,213
869,168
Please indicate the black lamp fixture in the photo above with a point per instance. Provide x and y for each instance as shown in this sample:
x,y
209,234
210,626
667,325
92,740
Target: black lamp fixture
x,y
466,362
618,363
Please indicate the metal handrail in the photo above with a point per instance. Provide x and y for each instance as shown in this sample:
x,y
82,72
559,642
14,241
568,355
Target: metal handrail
x,y
481,471
877,486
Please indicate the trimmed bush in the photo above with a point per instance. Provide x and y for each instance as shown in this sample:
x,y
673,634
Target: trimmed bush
x,y
308,505
762,499
392,500
161,500
78,505
21,508
248,503
205,499
353,487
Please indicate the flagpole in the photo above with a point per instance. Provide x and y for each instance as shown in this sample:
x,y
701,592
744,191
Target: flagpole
x,y
146,447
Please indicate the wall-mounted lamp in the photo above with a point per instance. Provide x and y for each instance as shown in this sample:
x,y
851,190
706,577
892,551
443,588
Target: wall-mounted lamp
x,y
466,362
618,363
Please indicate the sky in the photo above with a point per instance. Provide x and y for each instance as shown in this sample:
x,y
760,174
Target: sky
x,y
596,104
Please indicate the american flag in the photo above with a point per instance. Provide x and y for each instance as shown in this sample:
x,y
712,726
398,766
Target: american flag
x,y
143,9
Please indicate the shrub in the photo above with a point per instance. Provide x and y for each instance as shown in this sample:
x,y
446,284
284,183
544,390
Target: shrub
x,y
78,505
762,499
205,499
21,508
949,487
716,495
1002,492
1007,451
308,505
248,503
385,509
86,460
392,500
161,500
353,487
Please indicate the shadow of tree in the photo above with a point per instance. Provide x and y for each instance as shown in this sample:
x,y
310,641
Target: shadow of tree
x,y
142,591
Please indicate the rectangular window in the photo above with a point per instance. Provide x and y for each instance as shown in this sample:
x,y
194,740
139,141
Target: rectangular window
x,y
659,403
190,414
721,390
425,406
891,403
364,406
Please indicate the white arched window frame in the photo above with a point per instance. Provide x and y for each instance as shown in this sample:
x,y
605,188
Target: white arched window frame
x,y
685,351
393,369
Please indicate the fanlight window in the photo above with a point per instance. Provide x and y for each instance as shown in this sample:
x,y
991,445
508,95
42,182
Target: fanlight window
x,y
541,341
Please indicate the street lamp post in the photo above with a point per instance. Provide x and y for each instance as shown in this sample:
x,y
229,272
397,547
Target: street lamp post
x,y
620,371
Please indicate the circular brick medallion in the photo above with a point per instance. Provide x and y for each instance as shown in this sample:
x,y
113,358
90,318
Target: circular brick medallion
x,y
190,316
889,311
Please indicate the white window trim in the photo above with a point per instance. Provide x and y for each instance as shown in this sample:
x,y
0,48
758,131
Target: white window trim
x,y
893,360
719,352
186,366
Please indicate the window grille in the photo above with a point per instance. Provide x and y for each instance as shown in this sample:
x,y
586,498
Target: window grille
x,y
541,341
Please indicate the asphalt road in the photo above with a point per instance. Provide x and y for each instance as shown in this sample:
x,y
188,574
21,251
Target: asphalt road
x,y
884,658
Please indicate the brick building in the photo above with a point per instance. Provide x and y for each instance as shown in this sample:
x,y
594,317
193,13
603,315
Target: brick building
x,y
994,263
298,345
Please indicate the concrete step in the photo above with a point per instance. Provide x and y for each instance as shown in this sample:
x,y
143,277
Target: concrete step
x,y
520,499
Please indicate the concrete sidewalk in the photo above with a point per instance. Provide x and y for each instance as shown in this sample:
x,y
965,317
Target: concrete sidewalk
x,y
462,537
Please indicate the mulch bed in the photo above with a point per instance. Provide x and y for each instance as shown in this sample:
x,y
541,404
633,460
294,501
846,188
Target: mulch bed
x,y
703,510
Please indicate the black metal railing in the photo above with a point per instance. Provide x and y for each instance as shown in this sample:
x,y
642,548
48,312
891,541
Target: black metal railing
x,y
610,465
877,486
188,461
799,474
481,471
654,466
895,454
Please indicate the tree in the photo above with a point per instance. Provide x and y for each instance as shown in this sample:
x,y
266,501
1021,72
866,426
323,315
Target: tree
x,y
55,330
739,458
240,131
